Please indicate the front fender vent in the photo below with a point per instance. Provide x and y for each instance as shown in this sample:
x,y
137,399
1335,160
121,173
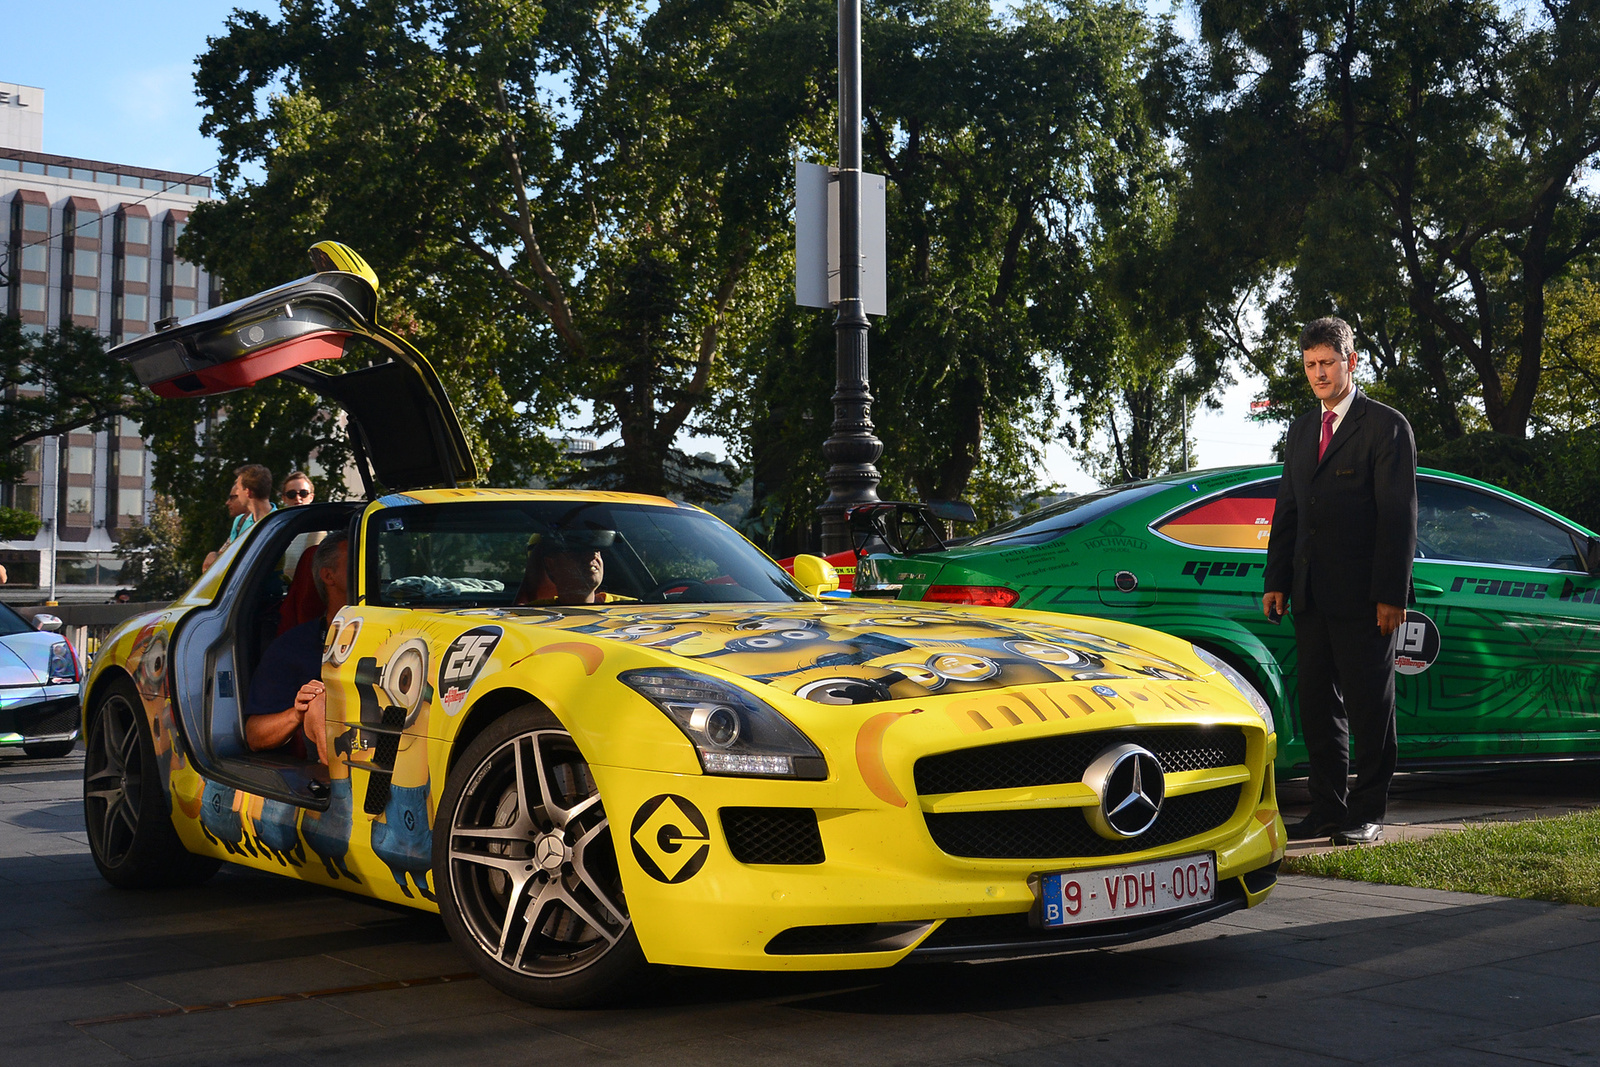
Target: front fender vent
x,y
773,835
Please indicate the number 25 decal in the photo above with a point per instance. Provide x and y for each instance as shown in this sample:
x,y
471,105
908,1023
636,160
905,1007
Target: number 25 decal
x,y
461,664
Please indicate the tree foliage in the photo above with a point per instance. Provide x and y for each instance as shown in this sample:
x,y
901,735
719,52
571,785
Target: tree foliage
x,y
56,382
1411,166
592,191
152,556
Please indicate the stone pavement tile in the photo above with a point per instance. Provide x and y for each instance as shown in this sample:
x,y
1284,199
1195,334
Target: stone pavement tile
x,y
1159,1044
1238,972
70,1002
49,1044
219,1034
1523,999
1574,961
1571,1044
48,965
486,1041
210,985
407,958
648,1024
420,1004
259,1056
1442,898
1405,951
1460,1056
869,1037
1351,1029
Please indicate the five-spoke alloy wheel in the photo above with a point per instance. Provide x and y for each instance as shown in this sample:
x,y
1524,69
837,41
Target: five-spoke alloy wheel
x,y
526,870
125,808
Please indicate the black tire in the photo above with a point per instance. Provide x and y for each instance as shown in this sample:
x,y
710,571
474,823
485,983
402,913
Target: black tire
x,y
49,749
520,791
125,808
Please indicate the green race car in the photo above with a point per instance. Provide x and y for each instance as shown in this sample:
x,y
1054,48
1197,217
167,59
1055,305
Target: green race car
x,y
1499,658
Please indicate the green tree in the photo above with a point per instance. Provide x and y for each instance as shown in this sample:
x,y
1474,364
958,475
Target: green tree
x,y
599,183
1012,140
1411,166
55,382
152,558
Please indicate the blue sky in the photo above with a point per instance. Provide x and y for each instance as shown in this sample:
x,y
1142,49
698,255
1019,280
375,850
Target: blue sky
x,y
118,77
119,87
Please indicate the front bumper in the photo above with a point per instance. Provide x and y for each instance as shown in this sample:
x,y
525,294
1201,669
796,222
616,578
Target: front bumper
x,y
881,890
40,714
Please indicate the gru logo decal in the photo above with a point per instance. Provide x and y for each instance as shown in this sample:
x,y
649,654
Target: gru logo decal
x,y
670,838
1220,568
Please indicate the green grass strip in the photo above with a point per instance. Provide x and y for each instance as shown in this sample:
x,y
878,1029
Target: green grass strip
x,y
1539,859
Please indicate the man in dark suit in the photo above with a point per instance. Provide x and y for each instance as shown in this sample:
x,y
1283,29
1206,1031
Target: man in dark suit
x,y
1343,537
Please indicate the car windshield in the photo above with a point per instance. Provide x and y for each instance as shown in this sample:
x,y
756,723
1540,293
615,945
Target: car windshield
x,y
537,552
12,623
1053,520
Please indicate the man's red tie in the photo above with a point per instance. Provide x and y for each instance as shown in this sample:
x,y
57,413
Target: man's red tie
x,y
1327,433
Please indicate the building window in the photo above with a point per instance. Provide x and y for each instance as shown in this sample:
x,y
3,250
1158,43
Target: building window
x,y
126,427
135,307
130,462
36,217
87,226
33,297
22,568
86,263
25,498
184,274
85,302
134,268
183,308
130,502
35,257
80,459
87,568
80,500
135,230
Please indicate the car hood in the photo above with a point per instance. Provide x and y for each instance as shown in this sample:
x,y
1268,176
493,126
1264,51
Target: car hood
x,y
25,659
845,653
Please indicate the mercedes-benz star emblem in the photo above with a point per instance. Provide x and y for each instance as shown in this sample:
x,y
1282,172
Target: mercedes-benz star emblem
x,y
549,852
1131,785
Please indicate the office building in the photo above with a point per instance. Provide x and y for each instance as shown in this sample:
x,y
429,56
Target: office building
x,y
93,244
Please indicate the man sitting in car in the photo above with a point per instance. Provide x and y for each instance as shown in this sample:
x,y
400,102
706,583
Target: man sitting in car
x,y
287,702
564,567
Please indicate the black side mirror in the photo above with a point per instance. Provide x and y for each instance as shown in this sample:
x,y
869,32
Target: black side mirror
x,y
1588,550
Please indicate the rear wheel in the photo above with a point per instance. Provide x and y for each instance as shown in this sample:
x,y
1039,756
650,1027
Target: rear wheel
x,y
49,749
526,871
125,809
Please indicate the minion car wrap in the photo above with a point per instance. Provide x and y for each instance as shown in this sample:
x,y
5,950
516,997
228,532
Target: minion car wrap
x,y
695,764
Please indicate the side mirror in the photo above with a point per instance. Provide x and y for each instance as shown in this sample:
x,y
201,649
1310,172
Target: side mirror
x,y
1588,550
43,621
815,574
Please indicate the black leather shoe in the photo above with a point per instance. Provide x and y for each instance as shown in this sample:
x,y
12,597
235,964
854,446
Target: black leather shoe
x,y
1309,829
1365,834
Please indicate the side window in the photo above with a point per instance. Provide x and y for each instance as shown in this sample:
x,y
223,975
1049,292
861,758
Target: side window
x,y
1239,518
1458,522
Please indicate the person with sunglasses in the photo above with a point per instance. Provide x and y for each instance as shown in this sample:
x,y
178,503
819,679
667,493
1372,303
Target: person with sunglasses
x,y
296,492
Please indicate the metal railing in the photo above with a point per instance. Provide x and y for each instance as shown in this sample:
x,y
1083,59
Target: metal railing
x,y
86,625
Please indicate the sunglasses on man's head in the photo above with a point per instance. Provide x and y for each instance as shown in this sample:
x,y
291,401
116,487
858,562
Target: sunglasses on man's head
x,y
296,494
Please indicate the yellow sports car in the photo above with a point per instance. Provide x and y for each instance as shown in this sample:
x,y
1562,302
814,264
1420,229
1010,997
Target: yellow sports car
x,y
599,731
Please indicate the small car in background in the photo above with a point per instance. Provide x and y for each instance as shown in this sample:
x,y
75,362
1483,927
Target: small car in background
x,y
1499,657
39,675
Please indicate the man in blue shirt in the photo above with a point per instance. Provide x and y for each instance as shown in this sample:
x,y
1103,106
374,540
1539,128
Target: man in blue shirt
x,y
287,698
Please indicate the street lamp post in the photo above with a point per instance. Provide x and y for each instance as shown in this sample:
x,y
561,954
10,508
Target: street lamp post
x,y
851,449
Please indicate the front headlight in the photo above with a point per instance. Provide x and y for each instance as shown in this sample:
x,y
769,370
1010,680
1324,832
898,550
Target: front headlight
x,y
732,731
1242,684
63,664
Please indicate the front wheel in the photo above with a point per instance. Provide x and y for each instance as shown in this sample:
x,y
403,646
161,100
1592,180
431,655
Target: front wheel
x,y
125,808
525,868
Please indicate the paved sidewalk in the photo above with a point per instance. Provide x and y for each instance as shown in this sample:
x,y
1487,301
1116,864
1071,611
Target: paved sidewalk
x,y
1325,972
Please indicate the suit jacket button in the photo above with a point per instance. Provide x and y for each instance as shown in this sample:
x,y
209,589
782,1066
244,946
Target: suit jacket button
x,y
1313,500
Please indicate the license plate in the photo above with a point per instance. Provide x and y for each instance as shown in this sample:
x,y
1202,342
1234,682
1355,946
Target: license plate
x,y
1073,897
